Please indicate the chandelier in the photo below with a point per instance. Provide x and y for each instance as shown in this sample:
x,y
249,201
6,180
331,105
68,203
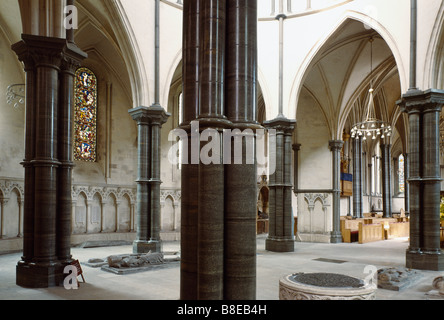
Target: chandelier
x,y
15,94
371,128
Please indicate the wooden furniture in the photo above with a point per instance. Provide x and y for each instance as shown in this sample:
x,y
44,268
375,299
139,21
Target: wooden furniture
x,y
371,232
349,231
76,264
262,226
373,229
398,230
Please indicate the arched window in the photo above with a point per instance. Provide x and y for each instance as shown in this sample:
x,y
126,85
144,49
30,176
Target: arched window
x,y
85,116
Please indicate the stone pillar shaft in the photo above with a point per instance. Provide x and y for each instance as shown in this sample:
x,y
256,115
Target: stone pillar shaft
x,y
431,177
423,108
386,180
218,234
149,121
65,152
210,221
49,65
357,188
280,237
240,179
28,214
296,149
190,171
336,147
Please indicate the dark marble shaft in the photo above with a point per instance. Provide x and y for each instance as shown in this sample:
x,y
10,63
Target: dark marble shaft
x,y
65,152
386,180
190,172
357,186
336,147
423,108
149,121
49,66
240,179
218,256
280,237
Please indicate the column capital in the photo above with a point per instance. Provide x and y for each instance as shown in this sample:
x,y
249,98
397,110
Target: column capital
x,y
335,145
72,58
296,147
416,101
38,50
150,115
281,124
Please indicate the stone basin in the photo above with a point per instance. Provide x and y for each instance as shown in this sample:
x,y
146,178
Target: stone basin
x,y
324,286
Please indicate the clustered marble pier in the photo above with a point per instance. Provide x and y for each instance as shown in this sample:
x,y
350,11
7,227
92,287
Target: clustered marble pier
x,y
218,231
423,109
50,64
280,236
149,122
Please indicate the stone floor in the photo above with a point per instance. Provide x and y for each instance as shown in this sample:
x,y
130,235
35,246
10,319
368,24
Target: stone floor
x,y
163,284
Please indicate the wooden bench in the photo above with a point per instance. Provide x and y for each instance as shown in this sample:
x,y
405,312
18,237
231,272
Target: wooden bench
x,y
371,232
398,230
349,230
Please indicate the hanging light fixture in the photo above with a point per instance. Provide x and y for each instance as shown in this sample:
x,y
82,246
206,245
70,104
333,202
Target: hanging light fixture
x,y
371,128
15,94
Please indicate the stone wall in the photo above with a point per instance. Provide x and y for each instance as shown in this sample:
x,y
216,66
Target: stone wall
x,y
104,212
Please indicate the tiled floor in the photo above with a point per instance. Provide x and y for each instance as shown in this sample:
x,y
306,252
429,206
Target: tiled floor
x,y
163,284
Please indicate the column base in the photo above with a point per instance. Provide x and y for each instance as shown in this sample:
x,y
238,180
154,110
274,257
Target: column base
x,y
336,237
425,261
142,246
33,275
279,245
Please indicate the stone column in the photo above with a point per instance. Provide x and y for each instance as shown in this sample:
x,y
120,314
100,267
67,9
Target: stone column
x,y
357,188
336,147
241,173
20,224
190,169
386,180
280,237
3,201
46,55
45,137
149,121
210,228
71,61
89,203
423,108
218,225
296,149
156,124
406,184
371,182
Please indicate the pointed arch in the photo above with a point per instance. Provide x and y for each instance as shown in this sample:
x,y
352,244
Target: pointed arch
x,y
131,53
434,61
307,63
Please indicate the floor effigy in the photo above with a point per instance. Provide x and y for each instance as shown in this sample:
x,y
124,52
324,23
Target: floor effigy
x,y
134,263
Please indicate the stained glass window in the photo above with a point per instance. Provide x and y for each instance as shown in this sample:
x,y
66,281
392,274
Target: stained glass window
x,y
85,115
